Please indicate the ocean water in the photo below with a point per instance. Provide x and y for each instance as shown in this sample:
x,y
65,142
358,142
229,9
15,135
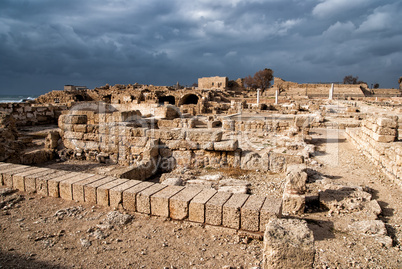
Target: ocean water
x,y
15,98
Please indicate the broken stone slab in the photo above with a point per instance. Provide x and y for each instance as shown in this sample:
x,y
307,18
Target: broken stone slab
x,y
288,243
214,208
179,203
66,186
102,193
197,205
293,204
272,208
250,213
173,181
116,193
160,200
143,201
78,187
295,181
230,145
130,195
231,210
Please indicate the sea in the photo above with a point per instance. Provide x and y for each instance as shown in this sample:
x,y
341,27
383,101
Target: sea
x,y
16,98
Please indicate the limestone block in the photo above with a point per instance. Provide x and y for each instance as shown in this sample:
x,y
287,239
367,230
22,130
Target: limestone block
x,y
182,145
160,200
52,139
30,180
66,185
102,192
387,122
288,243
250,213
90,189
204,135
78,187
183,158
7,174
130,195
197,205
293,204
230,145
272,208
42,187
231,210
73,135
214,208
384,138
179,203
81,128
296,179
19,179
116,193
143,201
75,119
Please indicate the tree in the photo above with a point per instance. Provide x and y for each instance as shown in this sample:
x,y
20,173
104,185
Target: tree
x,y
261,79
352,80
376,86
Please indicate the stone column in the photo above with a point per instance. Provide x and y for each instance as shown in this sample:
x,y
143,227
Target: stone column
x,y
276,97
331,92
258,97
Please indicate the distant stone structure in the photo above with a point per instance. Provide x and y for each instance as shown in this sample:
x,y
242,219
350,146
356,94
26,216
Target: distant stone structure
x,y
74,88
213,83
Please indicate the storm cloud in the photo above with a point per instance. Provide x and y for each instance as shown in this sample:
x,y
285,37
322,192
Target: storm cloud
x,y
45,44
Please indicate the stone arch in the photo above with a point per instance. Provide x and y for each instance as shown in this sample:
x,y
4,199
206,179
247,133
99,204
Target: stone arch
x,y
79,98
168,98
189,99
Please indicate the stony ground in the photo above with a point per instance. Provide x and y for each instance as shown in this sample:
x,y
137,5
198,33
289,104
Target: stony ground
x,y
47,232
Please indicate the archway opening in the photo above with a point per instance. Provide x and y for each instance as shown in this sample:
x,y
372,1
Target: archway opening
x,y
170,99
190,99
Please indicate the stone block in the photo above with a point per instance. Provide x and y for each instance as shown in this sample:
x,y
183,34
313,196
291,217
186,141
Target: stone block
x,y
19,181
53,183
81,128
214,208
179,203
130,195
230,145
288,243
7,175
78,187
102,193
204,135
386,122
250,213
42,182
231,210
30,180
272,208
90,189
160,200
66,186
116,193
197,205
293,204
75,119
143,201
73,135
384,138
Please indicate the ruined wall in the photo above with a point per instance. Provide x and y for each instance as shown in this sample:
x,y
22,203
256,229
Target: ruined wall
x,y
378,140
213,82
32,114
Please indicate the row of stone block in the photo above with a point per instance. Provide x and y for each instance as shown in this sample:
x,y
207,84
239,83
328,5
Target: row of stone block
x,y
237,211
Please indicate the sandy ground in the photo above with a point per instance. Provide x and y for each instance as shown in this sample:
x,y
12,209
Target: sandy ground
x,y
38,232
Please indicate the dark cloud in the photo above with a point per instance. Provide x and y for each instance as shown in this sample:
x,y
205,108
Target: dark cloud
x,y
45,44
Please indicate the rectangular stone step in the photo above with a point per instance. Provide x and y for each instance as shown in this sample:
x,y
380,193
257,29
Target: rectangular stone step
x,y
66,186
214,207
143,198
160,200
179,203
116,193
78,187
19,179
196,209
30,180
7,174
42,187
54,183
250,213
102,193
231,210
130,195
90,189
272,208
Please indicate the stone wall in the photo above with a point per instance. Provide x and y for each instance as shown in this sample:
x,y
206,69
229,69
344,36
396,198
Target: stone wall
x,y
377,139
32,114
213,83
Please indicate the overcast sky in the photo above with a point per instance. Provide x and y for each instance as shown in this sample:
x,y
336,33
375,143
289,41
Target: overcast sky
x,y
45,44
